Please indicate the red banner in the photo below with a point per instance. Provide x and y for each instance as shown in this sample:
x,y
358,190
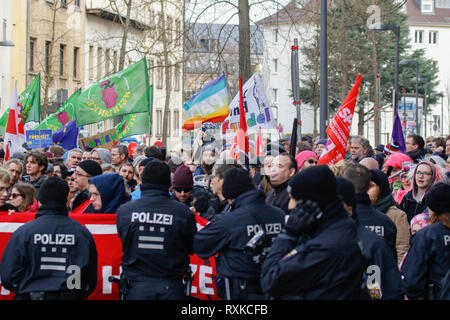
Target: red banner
x,y
339,129
109,251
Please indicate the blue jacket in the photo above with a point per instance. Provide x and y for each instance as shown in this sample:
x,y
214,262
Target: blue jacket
x,y
329,264
229,232
156,234
427,261
445,287
39,254
111,187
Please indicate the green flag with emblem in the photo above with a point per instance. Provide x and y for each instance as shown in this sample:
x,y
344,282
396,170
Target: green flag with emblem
x,y
30,101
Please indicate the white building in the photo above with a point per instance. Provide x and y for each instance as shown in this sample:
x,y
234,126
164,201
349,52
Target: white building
x,y
5,55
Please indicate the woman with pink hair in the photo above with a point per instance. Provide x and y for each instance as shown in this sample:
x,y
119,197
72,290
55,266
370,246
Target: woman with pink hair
x,y
306,159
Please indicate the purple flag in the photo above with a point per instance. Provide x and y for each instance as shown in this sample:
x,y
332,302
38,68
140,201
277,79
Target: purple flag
x,y
397,134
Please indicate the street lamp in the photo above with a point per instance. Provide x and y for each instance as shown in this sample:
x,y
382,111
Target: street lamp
x,y
424,81
441,95
396,29
6,43
416,64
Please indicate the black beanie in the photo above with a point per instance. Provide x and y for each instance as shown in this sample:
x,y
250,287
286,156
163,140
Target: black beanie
x,y
346,191
316,183
381,180
439,198
236,181
53,191
91,167
156,172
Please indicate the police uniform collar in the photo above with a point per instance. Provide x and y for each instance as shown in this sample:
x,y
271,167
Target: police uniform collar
x,y
154,189
49,209
248,197
362,198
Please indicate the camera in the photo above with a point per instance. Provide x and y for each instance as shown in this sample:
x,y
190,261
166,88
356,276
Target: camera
x,y
255,242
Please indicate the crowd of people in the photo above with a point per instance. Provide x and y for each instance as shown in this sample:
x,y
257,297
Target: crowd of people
x,y
373,226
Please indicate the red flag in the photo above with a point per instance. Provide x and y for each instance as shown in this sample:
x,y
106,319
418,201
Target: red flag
x,y
240,143
339,129
14,133
258,144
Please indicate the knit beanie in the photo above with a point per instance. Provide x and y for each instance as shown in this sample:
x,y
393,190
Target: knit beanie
x,y
53,191
381,180
317,183
105,154
174,163
91,167
321,141
156,172
183,177
439,198
302,156
236,181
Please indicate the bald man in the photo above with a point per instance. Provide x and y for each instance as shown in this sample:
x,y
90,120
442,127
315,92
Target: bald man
x,y
369,163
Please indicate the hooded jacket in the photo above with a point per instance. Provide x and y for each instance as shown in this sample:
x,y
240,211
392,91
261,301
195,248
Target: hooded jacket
x,y
105,155
111,187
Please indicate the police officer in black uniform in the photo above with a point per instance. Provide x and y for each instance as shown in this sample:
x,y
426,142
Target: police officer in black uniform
x,y
241,236
428,258
52,257
318,255
157,234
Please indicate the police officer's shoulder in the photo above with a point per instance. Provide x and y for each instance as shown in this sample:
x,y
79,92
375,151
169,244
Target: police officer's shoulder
x,y
429,231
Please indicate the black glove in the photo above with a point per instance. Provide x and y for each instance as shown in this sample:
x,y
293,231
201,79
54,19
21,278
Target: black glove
x,y
303,218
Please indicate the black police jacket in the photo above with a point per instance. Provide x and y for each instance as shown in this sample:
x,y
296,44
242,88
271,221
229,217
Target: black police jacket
x,y
229,232
427,261
48,254
328,264
382,278
445,287
376,221
156,233
411,207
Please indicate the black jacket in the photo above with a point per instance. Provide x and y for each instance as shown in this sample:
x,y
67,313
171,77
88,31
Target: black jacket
x,y
329,264
417,155
279,197
156,233
229,232
81,198
376,221
427,261
39,254
411,207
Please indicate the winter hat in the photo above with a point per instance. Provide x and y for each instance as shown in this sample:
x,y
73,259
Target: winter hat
x,y
396,160
91,167
53,191
318,183
302,156
391,148
380,147
321,141
144,162
182,178
274,149
439,198
174,163
346,191
381,180
156,172
105,155
138,160
236,181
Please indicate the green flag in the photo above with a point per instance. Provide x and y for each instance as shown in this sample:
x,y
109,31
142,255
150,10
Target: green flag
x,y
3,121
120,94
62,116
30,101
136,123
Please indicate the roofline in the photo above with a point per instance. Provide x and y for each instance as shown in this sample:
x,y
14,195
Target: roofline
x,y
112,16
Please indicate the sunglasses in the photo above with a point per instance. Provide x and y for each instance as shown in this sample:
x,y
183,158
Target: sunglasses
x,y
311,161
15,195
179,189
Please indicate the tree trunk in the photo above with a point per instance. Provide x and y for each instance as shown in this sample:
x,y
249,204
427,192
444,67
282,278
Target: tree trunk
x,y
167,70
48,79
377,114
361,121
123,45
244,41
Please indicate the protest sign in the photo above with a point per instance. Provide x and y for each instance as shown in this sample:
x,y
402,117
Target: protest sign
x,y
39,138
106,139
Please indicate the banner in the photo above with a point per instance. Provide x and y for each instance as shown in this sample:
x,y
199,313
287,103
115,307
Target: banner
x,y
257,109
122,93
39,138
109,252
62,116
14,132
67,136
106,139
30,101
210,104
339,129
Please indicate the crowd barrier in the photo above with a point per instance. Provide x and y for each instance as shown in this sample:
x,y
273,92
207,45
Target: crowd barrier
x,y
109,251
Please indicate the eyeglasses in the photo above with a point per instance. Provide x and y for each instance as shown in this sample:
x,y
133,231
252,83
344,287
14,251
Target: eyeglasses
x,y
15,195
81,175
96,159
311,161
421,173
180,189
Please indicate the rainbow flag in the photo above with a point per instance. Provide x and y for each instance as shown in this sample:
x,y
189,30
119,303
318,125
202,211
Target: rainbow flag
x,y
210,104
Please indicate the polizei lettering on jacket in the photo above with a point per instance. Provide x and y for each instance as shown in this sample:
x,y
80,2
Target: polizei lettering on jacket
x,y
150,217
270,228
58,238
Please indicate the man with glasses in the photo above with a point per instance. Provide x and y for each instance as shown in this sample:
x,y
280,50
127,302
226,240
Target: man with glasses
x,y
119,156
183,184
86,169
415,147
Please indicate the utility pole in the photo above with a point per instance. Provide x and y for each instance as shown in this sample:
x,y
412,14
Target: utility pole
x,y
323,70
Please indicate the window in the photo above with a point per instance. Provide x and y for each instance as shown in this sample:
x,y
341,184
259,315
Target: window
x,y
177,32
442,4
169,29
275,95
99,63
64,3
62,54
432,37
31,57
159,77
47,56
275,65
275,35
75,62
5,26
427,6
115,61
91,62
158,122
77,4
169,74
418,36
150,71
177,78
169,123
107,62
176,122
